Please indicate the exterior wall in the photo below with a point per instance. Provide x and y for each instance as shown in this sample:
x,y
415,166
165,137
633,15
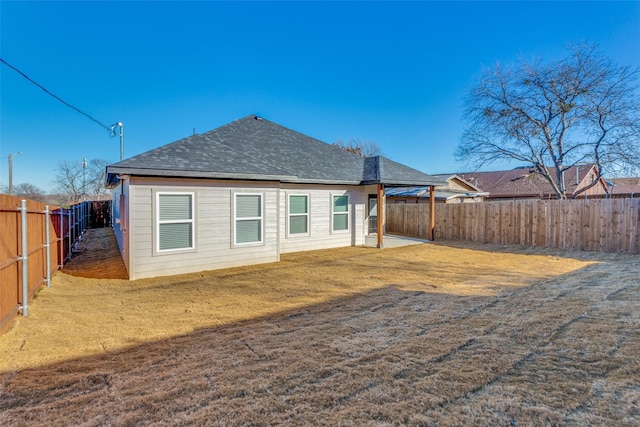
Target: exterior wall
x,y
119,207
599,189
136,224
320,235
456,184
213,223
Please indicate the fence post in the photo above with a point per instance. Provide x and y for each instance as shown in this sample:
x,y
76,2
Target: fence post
x,y
72,220
25,260
70,234
48,244
61,240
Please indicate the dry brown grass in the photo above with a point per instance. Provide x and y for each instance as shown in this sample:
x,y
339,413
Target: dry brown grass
x,y
435,334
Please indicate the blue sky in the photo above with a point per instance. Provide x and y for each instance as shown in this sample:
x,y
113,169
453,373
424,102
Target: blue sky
x,y
389,72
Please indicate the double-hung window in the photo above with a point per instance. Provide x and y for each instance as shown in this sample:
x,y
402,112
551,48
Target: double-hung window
x,y
248,221
340,212
298,214
175,227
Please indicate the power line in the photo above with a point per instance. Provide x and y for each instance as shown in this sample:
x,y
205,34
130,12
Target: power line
x,y
110,129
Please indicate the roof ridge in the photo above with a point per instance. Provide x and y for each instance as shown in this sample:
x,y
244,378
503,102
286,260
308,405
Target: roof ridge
x,y
232,148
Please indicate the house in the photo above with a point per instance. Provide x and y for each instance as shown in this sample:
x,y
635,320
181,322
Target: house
x,y
245,193
454,189
526,183
624,187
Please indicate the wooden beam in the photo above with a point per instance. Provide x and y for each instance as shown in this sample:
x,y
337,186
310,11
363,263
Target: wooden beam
x,y
380,217
432,213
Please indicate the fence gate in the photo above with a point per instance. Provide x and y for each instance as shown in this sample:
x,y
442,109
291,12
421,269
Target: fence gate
x,y
100,214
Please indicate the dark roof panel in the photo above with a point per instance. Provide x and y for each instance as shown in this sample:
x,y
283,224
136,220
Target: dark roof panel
x,y
255,148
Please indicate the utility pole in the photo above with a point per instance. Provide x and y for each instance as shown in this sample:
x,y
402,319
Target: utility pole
x,y
113,133
11,156
121,141
84,179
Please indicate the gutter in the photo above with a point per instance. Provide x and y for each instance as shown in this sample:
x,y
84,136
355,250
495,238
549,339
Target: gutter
x,y
466,195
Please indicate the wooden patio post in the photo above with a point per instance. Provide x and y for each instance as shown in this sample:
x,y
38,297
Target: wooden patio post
x,y
432,213
380,217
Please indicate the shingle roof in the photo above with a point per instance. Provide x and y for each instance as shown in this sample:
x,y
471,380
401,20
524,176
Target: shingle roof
x,y
624,186
525,182
257,149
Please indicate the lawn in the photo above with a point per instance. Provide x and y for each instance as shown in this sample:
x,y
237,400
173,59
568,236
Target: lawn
x,y
432,334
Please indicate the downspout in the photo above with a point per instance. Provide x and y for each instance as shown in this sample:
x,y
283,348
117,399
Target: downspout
x,y
278,228
380,217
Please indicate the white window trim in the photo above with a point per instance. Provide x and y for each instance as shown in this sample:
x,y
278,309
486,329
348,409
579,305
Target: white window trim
x,y
234,220
157,222
348,213
289,215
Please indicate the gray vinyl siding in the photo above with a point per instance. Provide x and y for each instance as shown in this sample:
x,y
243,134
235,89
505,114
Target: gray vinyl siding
x,y
120,219
320,235
213,225
214,246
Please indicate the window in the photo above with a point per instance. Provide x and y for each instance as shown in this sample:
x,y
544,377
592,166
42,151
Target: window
x,y
340,213
298,214
175,221
248,218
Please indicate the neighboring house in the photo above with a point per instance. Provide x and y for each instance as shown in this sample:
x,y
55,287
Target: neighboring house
x,y
526,183
453,190
243,194
624,187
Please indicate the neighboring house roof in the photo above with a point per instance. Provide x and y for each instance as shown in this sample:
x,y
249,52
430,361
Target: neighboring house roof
x,y
525,182
451,187
455,182
253,148
624,186
422,192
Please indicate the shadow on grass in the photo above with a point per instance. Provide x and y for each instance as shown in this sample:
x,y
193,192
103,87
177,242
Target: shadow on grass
x,y
398,352
387,355
527,250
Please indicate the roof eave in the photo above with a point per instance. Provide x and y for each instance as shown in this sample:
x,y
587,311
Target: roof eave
x,y
297,180
403,183
113,172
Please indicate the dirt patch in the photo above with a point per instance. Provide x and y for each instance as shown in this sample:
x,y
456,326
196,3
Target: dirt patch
x,y
98,257
420,335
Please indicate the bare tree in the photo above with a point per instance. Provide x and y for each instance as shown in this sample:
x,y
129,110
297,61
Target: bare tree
x,y
74,181
583,108
29,191
360,148
96,177
68,180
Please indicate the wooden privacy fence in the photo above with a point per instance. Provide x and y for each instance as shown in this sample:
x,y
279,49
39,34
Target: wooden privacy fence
x,y
35,242
603,225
